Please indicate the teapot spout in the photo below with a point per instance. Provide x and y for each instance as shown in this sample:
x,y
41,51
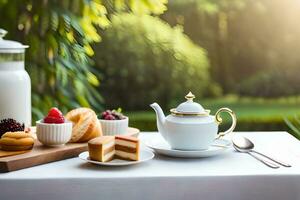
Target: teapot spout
x,y
160,117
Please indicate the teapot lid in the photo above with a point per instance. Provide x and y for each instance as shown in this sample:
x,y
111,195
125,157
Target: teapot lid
x,y
9,46
190,107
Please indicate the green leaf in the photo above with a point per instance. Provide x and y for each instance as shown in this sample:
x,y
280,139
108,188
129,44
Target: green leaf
x,y
92,79
292,126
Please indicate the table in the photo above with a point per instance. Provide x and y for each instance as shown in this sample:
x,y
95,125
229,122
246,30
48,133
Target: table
x,y
231,176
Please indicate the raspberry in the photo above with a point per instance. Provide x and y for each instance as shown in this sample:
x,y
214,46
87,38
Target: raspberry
x,y
54,116
54,112
53,120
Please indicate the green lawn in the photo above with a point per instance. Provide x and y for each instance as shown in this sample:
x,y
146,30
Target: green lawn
x,y
253,113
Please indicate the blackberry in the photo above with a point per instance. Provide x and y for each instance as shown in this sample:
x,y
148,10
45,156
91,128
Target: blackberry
x,y
10,125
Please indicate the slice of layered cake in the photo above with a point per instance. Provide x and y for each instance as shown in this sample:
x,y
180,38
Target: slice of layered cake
x,y
127,147
106,148
102,148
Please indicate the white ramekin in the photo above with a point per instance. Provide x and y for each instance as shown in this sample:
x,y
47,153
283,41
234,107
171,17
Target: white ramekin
x,y
53,134
114,127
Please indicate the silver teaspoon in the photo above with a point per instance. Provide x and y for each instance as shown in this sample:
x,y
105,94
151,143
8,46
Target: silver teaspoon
x,y
266,162
245,145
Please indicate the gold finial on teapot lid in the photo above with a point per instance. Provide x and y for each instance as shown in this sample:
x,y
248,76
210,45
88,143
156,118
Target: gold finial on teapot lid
x,y
190,107
190,96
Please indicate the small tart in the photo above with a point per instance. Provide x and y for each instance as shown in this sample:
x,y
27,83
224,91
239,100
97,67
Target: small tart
x,y
16,141
17,135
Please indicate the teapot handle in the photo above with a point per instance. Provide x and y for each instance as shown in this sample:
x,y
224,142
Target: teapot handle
x,y
219,121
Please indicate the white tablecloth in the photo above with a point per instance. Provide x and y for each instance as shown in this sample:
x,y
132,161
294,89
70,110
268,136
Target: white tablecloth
x,y
231,176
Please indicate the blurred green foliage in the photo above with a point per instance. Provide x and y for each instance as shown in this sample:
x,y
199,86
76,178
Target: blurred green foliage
x,y
143,59
271,83
60,34
252,45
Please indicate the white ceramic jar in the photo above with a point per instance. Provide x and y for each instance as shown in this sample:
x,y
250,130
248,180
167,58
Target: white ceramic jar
x,y
15,84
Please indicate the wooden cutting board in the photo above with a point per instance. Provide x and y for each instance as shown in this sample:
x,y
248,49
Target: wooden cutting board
x,y
41,154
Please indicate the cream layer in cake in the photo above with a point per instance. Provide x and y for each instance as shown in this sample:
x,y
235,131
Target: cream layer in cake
x,y
127,147
108,156
126,156
126,143
108,151
108,145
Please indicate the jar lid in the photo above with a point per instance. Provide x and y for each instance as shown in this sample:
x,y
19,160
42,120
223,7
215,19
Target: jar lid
x,y
9,46
190,107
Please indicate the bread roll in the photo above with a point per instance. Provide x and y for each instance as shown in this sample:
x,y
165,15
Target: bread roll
x,y
86,125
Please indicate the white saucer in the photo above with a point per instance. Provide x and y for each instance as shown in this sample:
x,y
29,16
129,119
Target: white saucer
x,y
161,147
145,155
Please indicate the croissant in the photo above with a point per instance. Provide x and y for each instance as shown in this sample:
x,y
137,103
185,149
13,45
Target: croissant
x,y
86,125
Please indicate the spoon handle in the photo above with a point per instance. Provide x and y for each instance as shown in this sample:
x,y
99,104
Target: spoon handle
x,y
266,162
274,160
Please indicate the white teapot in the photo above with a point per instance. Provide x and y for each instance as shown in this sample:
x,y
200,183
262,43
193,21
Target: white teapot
x,y
189,126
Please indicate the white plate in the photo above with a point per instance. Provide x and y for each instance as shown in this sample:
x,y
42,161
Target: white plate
x,y
161,147
145,155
